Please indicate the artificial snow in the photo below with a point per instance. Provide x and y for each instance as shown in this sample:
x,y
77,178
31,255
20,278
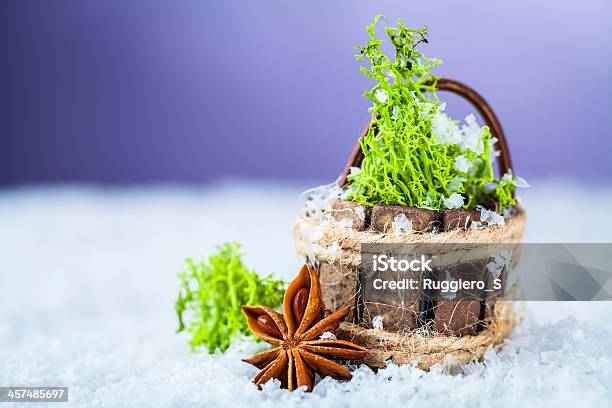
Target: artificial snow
x,y
377,322
456,183
521,183
317,201
360,212
381,95
472,135
455,200
447,131
401,223
354,170
449,294
328,336
344,223
88,283
309,236
462,164
500,261
494,152
395,113
518,182
490,217
332,251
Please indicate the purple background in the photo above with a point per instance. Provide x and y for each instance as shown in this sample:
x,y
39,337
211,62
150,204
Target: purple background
x,y
140,91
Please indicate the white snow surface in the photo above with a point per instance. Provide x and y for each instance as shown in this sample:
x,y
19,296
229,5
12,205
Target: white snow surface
x,y
88,281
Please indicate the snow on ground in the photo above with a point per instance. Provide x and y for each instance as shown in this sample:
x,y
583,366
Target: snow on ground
x,y
87,284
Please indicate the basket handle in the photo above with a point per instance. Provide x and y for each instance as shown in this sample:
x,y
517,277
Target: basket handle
x,y
484,109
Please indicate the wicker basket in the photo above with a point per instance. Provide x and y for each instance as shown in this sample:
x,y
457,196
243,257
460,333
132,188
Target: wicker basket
x,y
463,330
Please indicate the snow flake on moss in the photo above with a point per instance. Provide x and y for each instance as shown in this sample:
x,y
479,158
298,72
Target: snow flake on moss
x,y
354,170
395,113
462,164
447,131
456,183
518,182
472,135
444,129
494,153
381,95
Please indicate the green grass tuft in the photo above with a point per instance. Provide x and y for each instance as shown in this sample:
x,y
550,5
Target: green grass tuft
x,y
404,163
211,293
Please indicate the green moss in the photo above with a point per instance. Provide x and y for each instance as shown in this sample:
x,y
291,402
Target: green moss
x,y
404,163
211,293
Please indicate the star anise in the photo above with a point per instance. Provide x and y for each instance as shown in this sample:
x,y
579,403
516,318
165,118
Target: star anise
x,y
299,352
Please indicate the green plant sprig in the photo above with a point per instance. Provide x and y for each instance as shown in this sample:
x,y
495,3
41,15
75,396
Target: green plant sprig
x,y
403,162
211,293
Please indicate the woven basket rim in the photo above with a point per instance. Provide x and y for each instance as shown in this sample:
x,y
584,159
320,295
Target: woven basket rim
x,y
348,241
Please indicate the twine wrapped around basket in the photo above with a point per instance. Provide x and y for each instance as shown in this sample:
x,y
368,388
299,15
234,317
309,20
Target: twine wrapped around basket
x,y
412,334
